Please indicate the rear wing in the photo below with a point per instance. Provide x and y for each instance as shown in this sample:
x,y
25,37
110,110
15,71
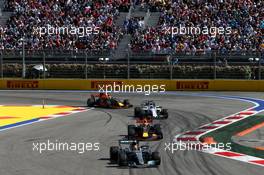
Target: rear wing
x,y
128,141
144,120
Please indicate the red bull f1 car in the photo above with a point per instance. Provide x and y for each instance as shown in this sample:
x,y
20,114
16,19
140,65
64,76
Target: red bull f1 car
x,y
104,100
145,130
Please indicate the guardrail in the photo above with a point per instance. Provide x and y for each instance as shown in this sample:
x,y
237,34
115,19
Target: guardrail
x,y
147,65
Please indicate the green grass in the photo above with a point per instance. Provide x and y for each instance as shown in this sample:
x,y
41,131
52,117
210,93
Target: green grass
x,y
225,134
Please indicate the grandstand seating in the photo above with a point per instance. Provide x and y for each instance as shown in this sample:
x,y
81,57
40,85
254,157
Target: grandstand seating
x,y
244,17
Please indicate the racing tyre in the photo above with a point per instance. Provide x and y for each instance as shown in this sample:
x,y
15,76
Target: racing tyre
x,y
137,111
131,131
158,131
90,102
156,157
122,158
165,113
109,103
148,113
143,114
126,102
114,153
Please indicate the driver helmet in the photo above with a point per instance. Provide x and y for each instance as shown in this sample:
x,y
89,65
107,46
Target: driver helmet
x,y
134,146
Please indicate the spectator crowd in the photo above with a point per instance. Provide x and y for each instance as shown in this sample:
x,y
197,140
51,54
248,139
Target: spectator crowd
x,y
133,24
244,17
31,14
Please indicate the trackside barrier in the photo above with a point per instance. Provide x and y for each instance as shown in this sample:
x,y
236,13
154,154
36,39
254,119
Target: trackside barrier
x,y
169,85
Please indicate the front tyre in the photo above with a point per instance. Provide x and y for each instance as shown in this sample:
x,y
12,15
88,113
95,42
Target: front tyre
x,y
114,153
156,157
122,159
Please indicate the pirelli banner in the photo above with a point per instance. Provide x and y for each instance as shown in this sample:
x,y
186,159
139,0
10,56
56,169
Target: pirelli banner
x,y
22,84
145,86
49,84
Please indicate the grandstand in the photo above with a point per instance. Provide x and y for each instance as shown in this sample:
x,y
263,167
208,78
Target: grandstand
x,y
244,17
139,30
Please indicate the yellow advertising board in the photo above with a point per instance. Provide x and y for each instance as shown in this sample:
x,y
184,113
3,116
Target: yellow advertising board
x,y
168,85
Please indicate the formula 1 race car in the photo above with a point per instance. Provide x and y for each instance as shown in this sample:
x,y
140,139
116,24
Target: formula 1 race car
x,y
149,108
107,101
130,154
145,130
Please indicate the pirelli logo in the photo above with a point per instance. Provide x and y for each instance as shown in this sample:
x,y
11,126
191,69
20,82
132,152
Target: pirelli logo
x,y
19,84
95,84
192,85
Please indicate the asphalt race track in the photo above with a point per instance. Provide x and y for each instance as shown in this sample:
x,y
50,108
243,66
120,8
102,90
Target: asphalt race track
x,y
106,126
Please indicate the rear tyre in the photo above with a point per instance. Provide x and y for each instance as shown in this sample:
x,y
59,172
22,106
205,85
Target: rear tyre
x,y
137,111
158,131
109,103
156,157
148,113
126,102
131,131
144,114
90,102
114,153
165,113
122,158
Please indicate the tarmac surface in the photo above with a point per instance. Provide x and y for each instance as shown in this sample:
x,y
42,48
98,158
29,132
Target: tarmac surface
x,y
107,126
